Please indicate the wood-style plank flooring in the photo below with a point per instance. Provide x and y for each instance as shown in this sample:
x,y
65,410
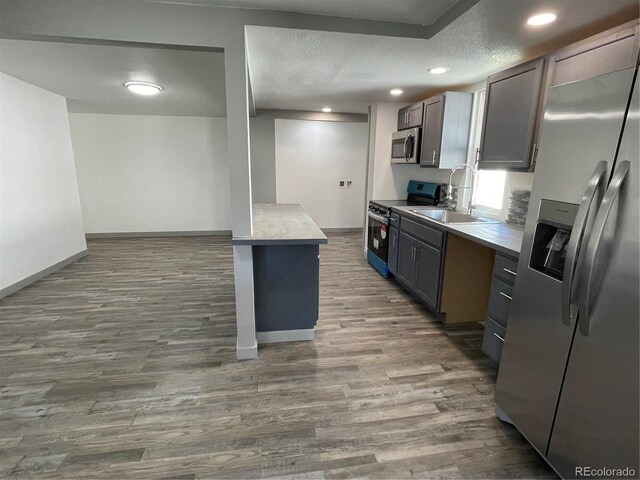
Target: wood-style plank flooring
x,y
122,365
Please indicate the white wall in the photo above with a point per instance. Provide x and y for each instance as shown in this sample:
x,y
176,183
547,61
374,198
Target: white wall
x,y
140,173
40,217
263,145
263,159
311,158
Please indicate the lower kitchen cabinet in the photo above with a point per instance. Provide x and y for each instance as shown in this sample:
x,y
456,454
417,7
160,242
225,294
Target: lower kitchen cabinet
x,y
504,277
420,265
427,283
394,241
406,271
450,274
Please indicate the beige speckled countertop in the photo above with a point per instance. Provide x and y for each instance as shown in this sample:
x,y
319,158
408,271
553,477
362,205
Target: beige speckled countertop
x,y
281,224
501,237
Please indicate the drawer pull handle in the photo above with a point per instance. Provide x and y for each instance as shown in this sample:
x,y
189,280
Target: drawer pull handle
x,y
499,337
510,271
506,296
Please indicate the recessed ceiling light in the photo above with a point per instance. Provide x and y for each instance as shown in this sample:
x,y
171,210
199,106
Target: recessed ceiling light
x,y
438,70
143,88
396,91
541,19
326,109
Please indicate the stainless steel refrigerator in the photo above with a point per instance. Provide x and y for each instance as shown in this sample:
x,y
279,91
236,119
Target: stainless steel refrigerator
x,y
569,372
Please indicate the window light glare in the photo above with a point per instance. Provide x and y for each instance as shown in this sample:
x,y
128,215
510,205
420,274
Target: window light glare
x,y
143,88
541,19
326,109
438,70
396,91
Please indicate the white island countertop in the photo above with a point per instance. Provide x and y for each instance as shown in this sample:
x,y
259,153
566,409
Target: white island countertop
x,y
282,224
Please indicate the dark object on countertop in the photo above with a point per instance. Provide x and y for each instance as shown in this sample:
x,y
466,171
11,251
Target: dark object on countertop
x,y
518,206
423,193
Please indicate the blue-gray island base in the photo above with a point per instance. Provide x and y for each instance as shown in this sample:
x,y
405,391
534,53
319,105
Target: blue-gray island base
x,y
285,245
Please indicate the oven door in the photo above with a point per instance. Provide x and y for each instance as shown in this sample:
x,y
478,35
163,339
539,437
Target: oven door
x,y
404,146
378,237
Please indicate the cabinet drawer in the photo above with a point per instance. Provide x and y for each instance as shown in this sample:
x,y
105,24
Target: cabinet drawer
x,y
395,220
493,339
505,269
500,301
428,235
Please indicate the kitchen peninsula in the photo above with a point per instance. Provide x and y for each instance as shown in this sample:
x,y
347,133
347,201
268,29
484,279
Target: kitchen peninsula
x,y
285,243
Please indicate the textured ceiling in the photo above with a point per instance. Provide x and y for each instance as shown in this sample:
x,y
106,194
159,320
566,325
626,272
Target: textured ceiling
x,y
91,77
419,12
305,70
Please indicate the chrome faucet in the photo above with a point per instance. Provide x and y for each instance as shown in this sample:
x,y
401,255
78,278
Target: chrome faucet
x,y
450,187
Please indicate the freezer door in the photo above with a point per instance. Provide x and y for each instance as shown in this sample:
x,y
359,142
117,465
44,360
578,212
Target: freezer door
x,y
581,127
597,420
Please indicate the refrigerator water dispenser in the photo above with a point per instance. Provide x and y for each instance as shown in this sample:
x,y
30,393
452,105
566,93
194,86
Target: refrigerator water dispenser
x,y
553,229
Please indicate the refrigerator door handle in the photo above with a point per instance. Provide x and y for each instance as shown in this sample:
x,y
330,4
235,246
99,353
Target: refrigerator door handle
x,y
580,232
594,243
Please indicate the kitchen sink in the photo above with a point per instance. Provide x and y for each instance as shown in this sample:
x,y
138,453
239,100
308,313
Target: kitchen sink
x,y
448,216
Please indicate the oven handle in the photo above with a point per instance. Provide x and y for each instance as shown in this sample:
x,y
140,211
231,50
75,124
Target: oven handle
x,y
380,218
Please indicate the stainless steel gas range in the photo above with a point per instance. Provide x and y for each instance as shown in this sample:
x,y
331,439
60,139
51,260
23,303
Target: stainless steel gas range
x,y
379,220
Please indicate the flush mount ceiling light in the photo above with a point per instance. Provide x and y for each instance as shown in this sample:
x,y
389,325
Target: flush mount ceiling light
x,y
143,88
396,91
438,70
541,19
326,109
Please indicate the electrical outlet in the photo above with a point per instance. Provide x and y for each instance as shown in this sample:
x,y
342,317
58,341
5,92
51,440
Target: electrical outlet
x,y
341,184
349,183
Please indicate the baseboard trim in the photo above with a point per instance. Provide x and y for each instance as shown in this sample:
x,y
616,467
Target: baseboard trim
x,y
247,353
41,274
279,336
342,230
178,233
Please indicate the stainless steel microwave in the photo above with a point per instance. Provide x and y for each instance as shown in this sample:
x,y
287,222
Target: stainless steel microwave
x,y
405,146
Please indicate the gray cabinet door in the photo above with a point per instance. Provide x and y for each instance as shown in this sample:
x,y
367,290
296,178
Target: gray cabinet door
x,y
392,260
428,267
403,119
610,51
410,117
511,117
406,271
432,131
415,115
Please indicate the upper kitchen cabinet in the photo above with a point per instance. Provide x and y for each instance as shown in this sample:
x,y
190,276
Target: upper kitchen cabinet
x,y
607,52
512,116
410,117
445,130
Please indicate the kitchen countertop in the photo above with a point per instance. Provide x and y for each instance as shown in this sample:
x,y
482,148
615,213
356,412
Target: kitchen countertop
x,y
501,237
281,224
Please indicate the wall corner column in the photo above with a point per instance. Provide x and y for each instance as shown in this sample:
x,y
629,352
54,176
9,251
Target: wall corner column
x,y
237,93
